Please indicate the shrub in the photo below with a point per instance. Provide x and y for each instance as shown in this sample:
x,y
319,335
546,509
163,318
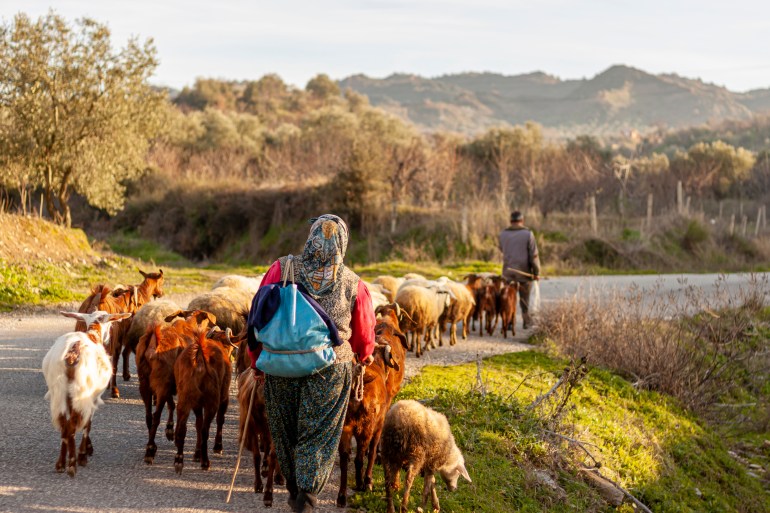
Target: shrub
x,y
702,348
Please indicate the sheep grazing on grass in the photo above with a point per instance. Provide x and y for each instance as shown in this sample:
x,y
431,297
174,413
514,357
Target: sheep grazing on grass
x,y
77,370
419,439
236,281
230,305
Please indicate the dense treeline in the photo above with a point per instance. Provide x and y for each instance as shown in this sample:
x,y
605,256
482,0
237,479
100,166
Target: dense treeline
x,y
228,159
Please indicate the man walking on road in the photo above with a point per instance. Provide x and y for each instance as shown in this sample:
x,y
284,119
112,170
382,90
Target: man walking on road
x,y
521,262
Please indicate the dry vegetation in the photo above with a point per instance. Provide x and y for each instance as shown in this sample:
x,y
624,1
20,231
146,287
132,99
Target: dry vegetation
x,y
710,351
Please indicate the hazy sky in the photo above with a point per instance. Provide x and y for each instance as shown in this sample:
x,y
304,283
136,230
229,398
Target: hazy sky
x,y
724,42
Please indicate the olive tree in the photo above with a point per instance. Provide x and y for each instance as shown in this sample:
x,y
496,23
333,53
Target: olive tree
x,y
75,113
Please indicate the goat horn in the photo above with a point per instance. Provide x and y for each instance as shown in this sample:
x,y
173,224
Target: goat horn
x,y
212,330
398,310
228,333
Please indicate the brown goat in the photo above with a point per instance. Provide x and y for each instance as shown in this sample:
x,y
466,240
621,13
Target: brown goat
x,y
508,307
474,283
258,436
150,288
364,420
202,373
118,301
388,332
487,308
156,354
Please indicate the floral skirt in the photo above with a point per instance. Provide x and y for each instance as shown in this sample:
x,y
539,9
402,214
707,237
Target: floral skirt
x,y
306,416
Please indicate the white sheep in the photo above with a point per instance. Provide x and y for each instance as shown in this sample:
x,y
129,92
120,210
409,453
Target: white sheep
x,y
377,293
237,281
419,439
422,308
77,370
230,306
389,285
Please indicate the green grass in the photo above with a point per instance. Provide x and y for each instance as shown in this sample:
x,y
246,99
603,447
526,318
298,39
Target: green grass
x,y
132,245
643,440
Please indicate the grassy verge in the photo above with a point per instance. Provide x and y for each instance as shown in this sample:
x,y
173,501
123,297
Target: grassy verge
x,y
664,455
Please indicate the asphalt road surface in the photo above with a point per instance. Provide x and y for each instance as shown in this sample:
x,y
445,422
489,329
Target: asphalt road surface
x,y
117,479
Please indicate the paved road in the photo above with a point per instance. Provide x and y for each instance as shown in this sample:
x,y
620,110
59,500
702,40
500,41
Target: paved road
x,y
117,479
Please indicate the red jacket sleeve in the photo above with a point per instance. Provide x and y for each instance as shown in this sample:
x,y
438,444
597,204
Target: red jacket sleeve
x,y
273,275
362,323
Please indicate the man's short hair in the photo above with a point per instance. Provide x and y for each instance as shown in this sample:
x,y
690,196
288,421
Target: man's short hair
x,y
516,216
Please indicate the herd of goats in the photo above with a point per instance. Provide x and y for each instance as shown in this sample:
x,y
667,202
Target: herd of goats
x,y
189,353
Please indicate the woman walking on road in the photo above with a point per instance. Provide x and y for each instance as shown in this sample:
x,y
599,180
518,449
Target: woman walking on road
x,y
306,414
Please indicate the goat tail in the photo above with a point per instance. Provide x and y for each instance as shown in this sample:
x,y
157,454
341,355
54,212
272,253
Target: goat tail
x,y
198,357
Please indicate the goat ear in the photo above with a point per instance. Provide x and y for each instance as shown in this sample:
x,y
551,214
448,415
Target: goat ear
x,y
402,338
144,274
178,313
160,271
73,315
464,473
113,317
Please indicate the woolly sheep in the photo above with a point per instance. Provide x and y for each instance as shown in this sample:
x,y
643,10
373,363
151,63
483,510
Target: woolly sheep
x,y
460,309
237,281
390,286
230,305
377,292
419,439
148,316
414,276
422,308
77,370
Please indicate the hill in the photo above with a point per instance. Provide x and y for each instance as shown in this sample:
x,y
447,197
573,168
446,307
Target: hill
x,y
618,99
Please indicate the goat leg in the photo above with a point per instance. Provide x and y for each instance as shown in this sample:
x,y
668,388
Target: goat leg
x,y
198,430
207,420
85,445
151,448
258,488
371,455
126,356
267,498
170,421
114,392
60,463
220,423
179,436
344,452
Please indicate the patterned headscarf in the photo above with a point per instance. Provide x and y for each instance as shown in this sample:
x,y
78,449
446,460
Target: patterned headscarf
x,y
322,257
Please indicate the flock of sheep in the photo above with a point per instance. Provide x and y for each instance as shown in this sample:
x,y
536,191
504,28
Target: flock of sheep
x,y
186,353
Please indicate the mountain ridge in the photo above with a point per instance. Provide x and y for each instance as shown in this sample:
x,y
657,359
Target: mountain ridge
x,y
618,99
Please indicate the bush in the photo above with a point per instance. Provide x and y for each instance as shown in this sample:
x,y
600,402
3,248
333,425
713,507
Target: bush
x,y
704,349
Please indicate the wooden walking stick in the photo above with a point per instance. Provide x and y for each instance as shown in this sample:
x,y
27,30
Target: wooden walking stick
x,y
243,440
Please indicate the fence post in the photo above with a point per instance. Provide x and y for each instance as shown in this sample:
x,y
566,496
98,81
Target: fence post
x,y
721,204
679,198
744,225
759,220
464,226
592,209
687,206
649,212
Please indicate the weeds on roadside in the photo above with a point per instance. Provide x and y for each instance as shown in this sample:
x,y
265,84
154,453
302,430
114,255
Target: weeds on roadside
x,y
707,349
